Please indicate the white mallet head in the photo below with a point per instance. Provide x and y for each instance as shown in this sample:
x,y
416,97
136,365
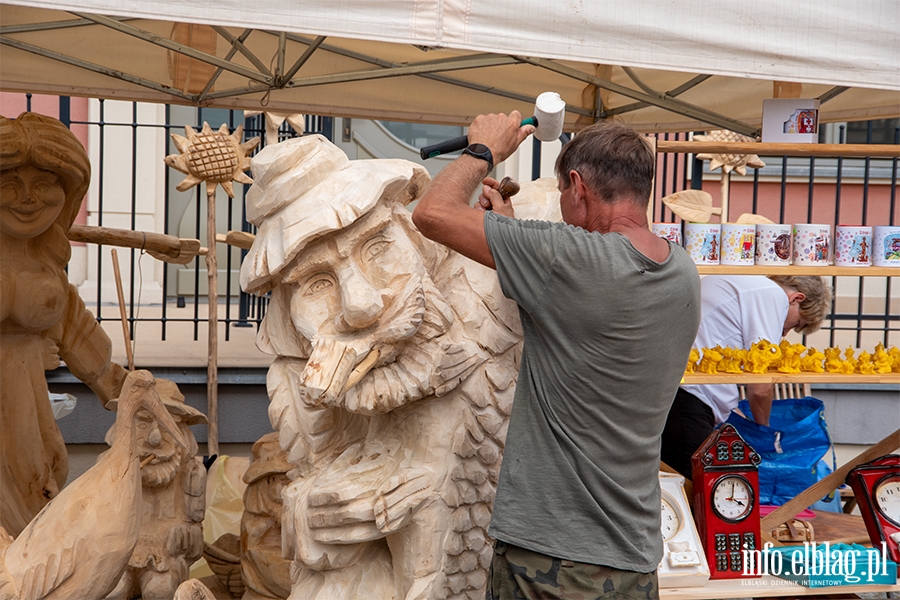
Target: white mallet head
x,y
549,112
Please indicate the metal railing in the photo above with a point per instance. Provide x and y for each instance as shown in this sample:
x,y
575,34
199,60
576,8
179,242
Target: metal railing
x,y
826,185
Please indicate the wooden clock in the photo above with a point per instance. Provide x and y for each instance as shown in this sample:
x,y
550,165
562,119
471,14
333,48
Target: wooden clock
x,y
726,502
876,485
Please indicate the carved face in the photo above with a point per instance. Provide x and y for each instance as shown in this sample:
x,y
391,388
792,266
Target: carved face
x,y
150,438
30,200
357,280
362,290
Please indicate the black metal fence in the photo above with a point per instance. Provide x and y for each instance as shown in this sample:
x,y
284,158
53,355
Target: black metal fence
x,y
869,317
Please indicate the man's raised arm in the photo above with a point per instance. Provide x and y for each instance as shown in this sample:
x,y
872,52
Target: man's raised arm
x,y
443,213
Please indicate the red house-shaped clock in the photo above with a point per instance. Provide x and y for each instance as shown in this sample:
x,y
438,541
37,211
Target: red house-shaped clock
x,y
726,501
876,485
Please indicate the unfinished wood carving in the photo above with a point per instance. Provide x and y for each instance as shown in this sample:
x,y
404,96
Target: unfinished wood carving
x,y
266,573
79,545
173,502
45,173
393,382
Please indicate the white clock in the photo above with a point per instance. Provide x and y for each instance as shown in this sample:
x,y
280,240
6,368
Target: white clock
x,y
887,498
684,562
670,519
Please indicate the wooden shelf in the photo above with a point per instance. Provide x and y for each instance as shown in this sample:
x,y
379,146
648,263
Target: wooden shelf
x,y
778,149
798,270
775,377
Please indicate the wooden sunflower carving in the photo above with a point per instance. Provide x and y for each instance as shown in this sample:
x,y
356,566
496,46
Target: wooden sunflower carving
x,y
729,162
212,156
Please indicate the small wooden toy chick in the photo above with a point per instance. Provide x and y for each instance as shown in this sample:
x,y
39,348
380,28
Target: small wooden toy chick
x,y
883,360
710,361
693,359
864,364
833,362
849,361
812,362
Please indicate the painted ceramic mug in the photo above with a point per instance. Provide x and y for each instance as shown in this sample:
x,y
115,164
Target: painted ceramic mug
x,y
773,244
852,246
812,244
668,231
703,242
738,244
886,246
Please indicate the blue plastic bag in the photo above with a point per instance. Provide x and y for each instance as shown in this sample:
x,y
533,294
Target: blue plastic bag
x,y
792,447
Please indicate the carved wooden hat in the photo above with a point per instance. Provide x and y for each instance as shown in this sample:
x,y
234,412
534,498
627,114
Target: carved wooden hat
x,y
173,400
306,187
267,459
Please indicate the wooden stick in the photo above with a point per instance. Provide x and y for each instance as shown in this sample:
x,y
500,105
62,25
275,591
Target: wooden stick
x,y
147,460
827,484
726,189
128,352
212,373
238,239
780,149
169,246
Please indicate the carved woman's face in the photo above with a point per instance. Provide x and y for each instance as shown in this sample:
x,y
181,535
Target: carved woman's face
x,y
30,200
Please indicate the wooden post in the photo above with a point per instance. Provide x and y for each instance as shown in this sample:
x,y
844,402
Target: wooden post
x,y
212,372
726,188
122,315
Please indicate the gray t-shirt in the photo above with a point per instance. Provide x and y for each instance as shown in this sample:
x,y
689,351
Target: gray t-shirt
x,y
607,337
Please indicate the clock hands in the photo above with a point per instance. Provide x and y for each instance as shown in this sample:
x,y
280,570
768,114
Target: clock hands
x,y
732,498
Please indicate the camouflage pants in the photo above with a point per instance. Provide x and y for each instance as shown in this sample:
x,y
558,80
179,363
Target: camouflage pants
x,y
519,574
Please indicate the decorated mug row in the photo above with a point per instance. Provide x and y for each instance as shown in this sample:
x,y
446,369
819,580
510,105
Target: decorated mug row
x,y
782,244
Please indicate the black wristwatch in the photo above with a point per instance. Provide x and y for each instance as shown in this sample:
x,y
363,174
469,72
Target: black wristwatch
x,y
483,152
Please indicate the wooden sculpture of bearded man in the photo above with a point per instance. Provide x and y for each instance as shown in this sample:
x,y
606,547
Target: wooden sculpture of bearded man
x,y
393,382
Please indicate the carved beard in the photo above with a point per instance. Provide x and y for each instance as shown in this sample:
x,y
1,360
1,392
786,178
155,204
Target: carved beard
x,y
158,475
405,370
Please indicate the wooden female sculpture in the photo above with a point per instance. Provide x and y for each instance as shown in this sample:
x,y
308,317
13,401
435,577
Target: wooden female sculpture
x,y
44,173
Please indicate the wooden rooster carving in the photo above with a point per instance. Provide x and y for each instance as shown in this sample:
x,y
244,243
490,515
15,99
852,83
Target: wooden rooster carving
x,y
79,544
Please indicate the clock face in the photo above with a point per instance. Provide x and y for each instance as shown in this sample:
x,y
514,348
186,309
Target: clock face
x,y
732,498
887,498
670,521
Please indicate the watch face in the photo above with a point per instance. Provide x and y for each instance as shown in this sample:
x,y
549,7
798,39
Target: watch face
x,y
887,498
670,521
732,498
478,148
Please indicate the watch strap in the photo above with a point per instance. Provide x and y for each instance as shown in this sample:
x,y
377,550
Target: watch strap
x,y
483,152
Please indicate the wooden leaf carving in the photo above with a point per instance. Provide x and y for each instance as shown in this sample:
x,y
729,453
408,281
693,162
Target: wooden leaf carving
x,y
753,219
692,205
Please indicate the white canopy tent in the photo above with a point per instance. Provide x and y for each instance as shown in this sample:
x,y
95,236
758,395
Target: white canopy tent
x,y
660,65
